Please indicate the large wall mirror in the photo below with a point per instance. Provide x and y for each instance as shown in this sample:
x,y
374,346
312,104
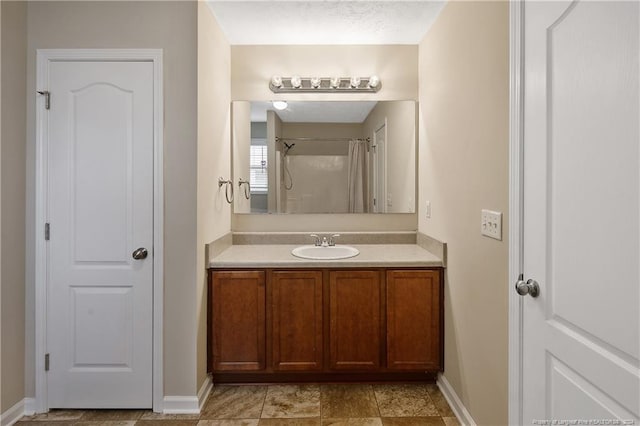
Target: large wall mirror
x,y
324,157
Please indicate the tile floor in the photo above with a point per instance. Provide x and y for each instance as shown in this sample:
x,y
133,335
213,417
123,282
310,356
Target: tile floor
x,y
286,405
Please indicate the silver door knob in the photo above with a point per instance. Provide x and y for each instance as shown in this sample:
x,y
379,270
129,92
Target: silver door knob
x,y
530,287
140,253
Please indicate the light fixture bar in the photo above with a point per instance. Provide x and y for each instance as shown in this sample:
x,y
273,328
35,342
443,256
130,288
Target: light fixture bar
x,y
327,85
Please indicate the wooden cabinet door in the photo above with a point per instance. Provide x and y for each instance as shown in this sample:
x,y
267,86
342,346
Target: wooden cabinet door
x,y
414,320
355,320
297,320
238,304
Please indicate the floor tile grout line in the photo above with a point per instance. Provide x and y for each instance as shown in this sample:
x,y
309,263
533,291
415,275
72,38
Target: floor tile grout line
x,y
320,402
375,397
264,400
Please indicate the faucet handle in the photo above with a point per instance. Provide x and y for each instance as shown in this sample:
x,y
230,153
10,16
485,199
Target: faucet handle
x,y
332,241
317,239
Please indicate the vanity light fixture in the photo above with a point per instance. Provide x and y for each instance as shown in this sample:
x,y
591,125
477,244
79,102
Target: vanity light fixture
x,y
315,82
280,105
297,84
276,81
374,80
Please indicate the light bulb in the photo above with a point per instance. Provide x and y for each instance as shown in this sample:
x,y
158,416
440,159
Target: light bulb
x,y
355,82
374,81
276,81
296,82
279,105
315,82
335,82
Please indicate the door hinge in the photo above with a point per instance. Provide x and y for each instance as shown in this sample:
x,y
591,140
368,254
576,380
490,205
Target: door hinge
x,y
47,232
47,98
46,362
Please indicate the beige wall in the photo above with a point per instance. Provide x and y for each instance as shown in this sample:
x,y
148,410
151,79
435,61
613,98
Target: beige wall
x,y
464,94
214,157
253,66
12,154
241,130
400,119
171,26
274,130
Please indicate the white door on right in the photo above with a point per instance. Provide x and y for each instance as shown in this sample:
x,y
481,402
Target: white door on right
x,y
581,212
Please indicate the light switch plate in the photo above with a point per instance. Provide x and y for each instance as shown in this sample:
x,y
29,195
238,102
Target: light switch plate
x,y
427,209
491,224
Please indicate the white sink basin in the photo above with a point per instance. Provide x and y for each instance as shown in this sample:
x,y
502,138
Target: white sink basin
x,y
325,253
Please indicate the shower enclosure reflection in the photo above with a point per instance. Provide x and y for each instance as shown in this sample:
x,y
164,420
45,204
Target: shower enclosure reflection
x,y
325,157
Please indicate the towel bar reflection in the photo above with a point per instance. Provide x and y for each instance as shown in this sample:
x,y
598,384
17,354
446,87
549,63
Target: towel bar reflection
x,y
229,184
247,188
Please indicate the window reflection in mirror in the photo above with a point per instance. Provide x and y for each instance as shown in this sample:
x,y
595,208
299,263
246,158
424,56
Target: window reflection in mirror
x,y
325,156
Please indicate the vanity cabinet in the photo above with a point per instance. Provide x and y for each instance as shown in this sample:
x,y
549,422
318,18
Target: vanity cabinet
x,y
414,320
296,318
354,318
237,321
315,325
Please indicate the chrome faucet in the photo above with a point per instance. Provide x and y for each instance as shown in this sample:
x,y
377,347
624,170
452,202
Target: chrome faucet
x,y
317,242
332,241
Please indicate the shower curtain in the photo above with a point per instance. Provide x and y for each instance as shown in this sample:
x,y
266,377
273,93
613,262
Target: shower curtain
x,y
356,176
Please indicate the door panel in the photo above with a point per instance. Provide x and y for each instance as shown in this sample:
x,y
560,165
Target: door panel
x,y
113,346
101,147
354,313
297,320
581,220
413,320
99,307
238,302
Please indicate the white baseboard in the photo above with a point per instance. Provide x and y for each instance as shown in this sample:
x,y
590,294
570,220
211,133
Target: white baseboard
x,y
181,405
188,404
29,406
204,391
15,413
461,412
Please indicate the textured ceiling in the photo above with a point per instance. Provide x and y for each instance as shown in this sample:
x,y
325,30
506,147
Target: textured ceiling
x,y
315,112
325,22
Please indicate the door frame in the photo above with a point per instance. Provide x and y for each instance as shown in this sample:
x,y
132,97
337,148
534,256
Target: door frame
x,y
374,167
44,58
516,210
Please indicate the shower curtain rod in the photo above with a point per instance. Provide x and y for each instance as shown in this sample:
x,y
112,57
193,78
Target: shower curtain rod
x,y
322,139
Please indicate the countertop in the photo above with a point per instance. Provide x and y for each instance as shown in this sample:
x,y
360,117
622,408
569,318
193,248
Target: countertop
x,y
279,256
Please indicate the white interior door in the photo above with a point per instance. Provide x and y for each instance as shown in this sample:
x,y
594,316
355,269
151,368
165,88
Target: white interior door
x,y
581,211
99,298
